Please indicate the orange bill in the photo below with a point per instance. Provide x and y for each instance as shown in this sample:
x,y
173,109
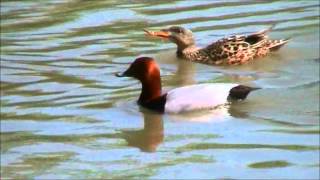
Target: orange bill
x,y
163,34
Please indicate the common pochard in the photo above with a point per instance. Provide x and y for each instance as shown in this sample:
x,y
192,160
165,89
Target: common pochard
x,y
182,99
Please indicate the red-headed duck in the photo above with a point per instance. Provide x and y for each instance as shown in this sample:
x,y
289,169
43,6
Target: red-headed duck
x,y
187,98
236,49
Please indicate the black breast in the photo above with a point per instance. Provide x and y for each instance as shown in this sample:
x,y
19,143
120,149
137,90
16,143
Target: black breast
x,y
156,104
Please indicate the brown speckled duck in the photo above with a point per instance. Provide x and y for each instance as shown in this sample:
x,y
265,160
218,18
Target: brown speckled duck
x,y
236,49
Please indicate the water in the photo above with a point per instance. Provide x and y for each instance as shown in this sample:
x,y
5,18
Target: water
x,y
65,115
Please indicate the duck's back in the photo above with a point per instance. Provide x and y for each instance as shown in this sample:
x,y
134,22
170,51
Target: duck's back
x,y
239,49
195,97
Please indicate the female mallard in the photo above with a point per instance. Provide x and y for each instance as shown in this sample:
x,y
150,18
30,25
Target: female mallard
x,y
236,49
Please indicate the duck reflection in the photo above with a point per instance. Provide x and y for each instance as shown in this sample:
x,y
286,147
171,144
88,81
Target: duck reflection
x,y
237,110
152,134
185,72
148,138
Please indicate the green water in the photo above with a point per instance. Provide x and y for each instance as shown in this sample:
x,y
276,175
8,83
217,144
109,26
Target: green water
x,y
65,115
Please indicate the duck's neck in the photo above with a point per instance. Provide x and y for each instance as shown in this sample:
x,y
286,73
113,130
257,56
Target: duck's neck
x,y
184,52
151,89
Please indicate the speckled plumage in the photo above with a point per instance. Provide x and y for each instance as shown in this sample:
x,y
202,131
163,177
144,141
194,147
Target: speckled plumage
x,y
237,49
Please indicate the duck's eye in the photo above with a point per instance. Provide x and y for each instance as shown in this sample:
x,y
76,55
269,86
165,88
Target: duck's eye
x,y
177,30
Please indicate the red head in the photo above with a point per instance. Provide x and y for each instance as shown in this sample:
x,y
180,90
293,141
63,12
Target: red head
x,y
147,71
143,69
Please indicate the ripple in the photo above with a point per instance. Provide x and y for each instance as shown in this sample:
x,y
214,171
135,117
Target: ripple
x,y
65,115
270,164
205,146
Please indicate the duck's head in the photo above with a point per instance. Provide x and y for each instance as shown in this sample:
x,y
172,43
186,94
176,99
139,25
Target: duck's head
x,y
143,69
146,70
182,37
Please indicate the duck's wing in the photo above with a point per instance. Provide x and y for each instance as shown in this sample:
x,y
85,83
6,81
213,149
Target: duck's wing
x,y
224,50
239,42
260,39
238,49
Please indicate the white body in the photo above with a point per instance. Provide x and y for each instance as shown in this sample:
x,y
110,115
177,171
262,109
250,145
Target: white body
x,y
195,97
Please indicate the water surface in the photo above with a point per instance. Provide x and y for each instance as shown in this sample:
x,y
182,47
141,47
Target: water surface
x,y
65,115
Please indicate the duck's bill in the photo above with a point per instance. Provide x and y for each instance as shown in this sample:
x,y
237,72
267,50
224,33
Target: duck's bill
x,y
161,33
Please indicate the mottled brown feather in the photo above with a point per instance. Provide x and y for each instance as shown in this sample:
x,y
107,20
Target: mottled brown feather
x,y
236,49
239,49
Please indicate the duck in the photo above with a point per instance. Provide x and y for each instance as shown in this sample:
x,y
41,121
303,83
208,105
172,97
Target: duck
x,y
181,99
232,50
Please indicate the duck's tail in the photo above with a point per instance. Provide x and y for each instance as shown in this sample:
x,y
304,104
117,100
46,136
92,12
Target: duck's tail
x,y
259,38
264,31
274,45
240,92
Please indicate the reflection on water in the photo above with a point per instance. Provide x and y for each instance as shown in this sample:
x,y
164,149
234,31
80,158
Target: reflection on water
x,y
65,116
148,138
